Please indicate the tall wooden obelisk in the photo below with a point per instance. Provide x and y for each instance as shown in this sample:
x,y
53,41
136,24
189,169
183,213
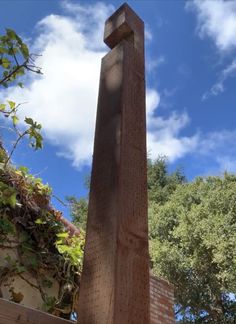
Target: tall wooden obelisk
x,y
115,279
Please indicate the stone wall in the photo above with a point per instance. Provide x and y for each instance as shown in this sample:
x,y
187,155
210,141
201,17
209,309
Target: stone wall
x,y
162,301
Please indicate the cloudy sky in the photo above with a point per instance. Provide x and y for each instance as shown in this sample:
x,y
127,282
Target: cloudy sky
x,y
190,73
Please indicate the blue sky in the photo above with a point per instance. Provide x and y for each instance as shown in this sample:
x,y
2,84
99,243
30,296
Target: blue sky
x,y
190,72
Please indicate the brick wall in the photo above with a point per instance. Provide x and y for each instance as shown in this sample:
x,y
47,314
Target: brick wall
x,y
162,301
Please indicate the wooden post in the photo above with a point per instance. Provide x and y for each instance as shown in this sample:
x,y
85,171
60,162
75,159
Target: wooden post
x,y
115,279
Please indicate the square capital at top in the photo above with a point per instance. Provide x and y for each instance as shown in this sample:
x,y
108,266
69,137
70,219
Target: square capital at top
x,y
123,22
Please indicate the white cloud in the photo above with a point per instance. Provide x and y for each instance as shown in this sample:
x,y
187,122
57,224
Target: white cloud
x,y
148,33
163,137
153,63
210,148
152,102
219,146
219,140
219,86
64,98
226,164
217,20
90,20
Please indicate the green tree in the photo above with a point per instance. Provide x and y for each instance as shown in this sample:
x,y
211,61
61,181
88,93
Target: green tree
x,y
161,183
192,244
78,211
79,207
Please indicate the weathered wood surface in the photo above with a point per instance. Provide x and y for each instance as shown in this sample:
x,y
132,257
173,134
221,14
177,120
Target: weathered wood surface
x,y
11,313
115,280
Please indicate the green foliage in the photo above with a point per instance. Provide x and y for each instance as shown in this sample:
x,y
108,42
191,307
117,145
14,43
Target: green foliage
x,y
49,304
15,60
34,133
31,226
192,244
72,248
11,45
161,184
7,195
6,227
34,184
78,211
28,223
14,265
32,128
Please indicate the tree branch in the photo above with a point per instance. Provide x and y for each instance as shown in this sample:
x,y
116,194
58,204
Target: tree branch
x,y
13,72
14,147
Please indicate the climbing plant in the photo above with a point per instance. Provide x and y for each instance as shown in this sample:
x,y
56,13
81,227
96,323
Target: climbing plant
x,y
15,61
29,226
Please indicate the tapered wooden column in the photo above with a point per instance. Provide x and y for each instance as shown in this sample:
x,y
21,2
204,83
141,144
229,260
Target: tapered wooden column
x,y
115,279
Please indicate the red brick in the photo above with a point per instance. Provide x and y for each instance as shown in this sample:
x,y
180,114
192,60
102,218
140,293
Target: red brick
x,y
161,301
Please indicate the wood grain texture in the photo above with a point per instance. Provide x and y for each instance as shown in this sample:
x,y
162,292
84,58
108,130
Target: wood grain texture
x,y
11,313
115,280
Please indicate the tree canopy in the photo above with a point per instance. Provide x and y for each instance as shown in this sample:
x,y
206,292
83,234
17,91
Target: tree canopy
x,y
192,235
78,211
192,242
